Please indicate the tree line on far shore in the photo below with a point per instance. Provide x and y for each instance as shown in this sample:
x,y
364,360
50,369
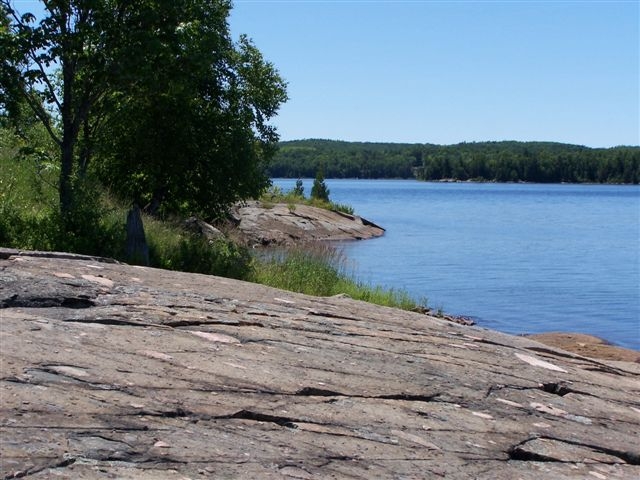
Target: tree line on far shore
x,y
507,161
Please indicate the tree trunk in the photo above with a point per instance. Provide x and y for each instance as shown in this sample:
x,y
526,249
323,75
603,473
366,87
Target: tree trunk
x,y
66,169
85,150
68,143
156,200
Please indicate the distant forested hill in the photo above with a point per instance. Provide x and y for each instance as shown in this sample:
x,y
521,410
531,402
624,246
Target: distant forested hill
x,y
301,158
544,162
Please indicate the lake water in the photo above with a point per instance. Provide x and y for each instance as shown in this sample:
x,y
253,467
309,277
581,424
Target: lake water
x,y
519,258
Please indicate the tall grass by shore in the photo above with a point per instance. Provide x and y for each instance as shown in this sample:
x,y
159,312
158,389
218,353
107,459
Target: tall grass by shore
x,y
322,270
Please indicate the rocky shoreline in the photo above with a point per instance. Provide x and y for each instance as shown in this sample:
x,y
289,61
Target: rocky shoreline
x,y
280,224
587,345
114,371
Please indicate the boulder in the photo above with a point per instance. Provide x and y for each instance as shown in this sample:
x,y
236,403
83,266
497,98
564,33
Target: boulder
x,y
202,228
115,371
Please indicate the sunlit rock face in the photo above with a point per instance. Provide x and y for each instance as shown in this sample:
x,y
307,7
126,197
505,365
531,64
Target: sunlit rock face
x,y
113,371
282,224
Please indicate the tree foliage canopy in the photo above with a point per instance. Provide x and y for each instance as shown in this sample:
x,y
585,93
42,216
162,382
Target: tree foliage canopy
x,y
302,158
153,95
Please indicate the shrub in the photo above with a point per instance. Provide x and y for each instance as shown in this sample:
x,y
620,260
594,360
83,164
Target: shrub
x,y
29,216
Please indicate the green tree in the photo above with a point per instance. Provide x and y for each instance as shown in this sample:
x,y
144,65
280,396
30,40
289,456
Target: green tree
x,y
197,137
175,110
319,189
61,68
298,190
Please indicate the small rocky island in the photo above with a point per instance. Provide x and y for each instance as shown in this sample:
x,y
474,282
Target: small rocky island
x,y
115,371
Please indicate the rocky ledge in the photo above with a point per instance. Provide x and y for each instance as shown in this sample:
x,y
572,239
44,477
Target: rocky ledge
x,y
113,371
283,224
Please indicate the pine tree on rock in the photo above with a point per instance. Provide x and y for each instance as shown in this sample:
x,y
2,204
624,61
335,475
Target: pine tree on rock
x,y
319,190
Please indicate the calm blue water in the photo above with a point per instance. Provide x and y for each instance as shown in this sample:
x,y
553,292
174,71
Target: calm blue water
x,y
519,258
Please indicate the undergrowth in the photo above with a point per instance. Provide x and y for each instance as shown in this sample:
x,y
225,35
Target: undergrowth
x,y
30,220
174,248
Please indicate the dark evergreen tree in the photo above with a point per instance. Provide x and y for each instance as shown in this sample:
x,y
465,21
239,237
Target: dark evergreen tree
x,y
319,190
298,191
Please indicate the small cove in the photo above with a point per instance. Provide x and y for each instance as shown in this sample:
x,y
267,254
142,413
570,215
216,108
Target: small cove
x,y
519,258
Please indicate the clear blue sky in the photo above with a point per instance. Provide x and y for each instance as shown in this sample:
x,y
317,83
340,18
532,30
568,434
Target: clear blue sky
x,y
451,71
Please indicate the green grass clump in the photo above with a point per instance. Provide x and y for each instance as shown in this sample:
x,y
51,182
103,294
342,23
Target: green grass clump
x,y
321,270
378,295
302,269
276,195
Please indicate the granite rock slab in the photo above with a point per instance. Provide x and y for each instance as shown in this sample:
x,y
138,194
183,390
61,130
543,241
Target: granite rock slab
x,y
114,371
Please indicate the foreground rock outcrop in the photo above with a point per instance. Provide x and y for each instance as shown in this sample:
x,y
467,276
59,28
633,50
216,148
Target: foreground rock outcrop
x,y
284,224
113,371
587,345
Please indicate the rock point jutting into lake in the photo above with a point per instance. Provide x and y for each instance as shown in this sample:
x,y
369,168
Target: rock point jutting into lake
x,y
115,371
283,224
